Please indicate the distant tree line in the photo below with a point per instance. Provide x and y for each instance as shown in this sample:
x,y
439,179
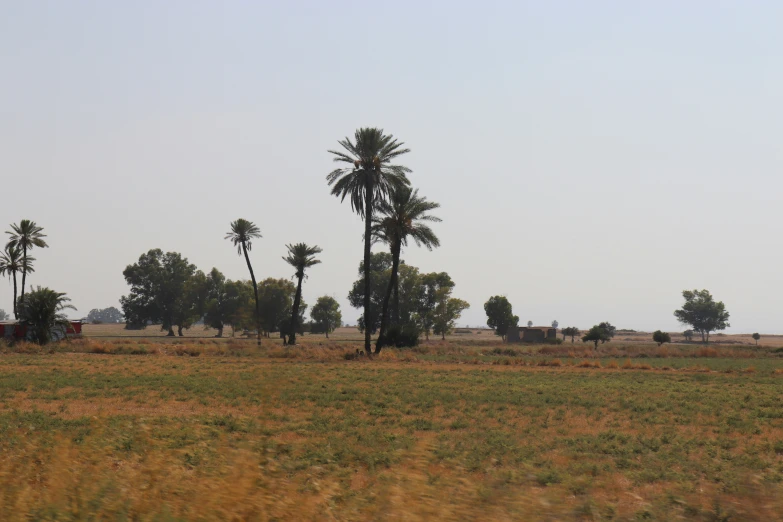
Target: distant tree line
x,y
110,315
167,290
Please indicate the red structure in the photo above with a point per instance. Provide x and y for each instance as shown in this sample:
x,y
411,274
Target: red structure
x,y
13,330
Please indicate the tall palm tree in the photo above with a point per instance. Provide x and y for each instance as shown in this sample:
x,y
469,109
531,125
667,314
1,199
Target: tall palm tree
x,y
242,234
300,256
26,235
404,215
12,263
368,180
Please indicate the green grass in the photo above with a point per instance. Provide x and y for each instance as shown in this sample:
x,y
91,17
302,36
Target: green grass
x,y
176,438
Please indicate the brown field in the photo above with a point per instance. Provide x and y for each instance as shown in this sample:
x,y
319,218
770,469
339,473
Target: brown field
x,y
135,428
477,335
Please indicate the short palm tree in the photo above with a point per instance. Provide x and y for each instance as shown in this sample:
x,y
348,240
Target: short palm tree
x,y
26,235
300,256
368,179
41,311
242,234
404,215
12,263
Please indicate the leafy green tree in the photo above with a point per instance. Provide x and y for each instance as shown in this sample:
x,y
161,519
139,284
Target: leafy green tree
x,y
326,314
242,234
27,235
500,315
12,263
3,315
41,312
756,338
110,315
239,308
409,292
661,337
703,313
404,215
447,312
555,324
595,334
159,293
276,297
434,286
688,334
530,324
571,331
300,256
370,320
216,302
609,329
368,179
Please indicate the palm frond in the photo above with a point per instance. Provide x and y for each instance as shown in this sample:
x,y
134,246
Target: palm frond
x,y
242,233
302,256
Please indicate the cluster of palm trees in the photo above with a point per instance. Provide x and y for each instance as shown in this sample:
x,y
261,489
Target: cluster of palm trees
x,y
379,191
394,213
300,256
14,260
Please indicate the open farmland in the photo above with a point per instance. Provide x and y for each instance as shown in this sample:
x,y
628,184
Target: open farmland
x,y
190,429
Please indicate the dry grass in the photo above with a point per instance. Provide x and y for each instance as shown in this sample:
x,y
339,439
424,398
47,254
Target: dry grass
x,y
222,430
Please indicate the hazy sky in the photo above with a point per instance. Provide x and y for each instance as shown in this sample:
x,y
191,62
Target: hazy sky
x,y
592,159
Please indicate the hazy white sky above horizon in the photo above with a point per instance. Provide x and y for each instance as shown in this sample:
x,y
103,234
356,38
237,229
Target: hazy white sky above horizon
x,y
592,159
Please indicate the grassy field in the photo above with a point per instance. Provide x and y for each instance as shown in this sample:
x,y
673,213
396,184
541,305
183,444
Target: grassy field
x,y
202,429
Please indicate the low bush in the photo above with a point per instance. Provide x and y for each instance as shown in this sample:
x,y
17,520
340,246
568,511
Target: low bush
x,y
404,336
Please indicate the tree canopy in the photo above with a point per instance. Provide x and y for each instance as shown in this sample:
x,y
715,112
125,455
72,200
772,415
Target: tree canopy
x,y
500,315
105,315
326,315
597,334
703,313
570,331
661,337
159,291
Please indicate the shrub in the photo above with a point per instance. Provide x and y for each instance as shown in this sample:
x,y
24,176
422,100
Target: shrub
x,y
402,336
553,340
661,337
41,312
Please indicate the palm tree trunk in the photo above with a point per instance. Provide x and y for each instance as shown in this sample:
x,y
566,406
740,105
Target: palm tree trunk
x,y
295,312
16,310
368,203
396,279
24,269
255,291
386,299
